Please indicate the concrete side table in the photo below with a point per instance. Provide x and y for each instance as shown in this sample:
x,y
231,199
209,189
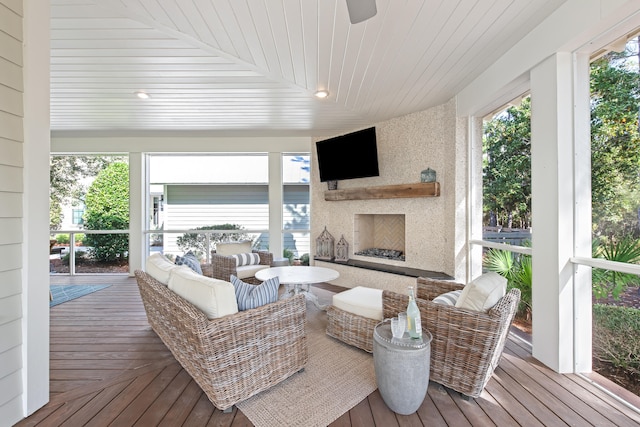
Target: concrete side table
x,y
402,368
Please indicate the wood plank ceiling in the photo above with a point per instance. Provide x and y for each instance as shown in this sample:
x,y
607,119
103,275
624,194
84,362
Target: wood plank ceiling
x,y
250,67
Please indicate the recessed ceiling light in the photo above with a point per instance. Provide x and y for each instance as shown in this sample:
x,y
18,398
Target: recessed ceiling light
x,y
142,94
321,94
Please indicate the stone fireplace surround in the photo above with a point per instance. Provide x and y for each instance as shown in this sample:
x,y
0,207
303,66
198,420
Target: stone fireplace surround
x,y
434,226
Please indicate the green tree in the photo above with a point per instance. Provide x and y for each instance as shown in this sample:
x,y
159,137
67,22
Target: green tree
x,y
66,174
107,208
507,167
615,147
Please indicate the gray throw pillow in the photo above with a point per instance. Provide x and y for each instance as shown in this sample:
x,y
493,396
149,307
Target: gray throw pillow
x,y
190,260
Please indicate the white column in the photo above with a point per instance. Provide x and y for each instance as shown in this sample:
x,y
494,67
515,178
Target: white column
x,y
35,303
552,172
137,210
276,202
582,214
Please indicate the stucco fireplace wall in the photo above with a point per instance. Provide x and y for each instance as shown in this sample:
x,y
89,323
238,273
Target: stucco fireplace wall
x,y
434,226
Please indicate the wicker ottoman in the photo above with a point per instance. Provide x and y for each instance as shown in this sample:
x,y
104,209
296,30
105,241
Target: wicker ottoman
x,y
353,316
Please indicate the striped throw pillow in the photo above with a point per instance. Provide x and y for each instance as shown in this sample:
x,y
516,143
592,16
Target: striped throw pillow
x,y
253,296
246,259
450,298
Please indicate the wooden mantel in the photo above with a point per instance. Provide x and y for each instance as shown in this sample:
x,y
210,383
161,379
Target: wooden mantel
x,y
419,189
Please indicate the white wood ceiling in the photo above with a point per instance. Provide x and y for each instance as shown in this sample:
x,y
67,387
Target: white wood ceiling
x,y
252,66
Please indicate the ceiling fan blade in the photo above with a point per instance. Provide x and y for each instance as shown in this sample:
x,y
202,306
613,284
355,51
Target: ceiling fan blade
x,y
361,10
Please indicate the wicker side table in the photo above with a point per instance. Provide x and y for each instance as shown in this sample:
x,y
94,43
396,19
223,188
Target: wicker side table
x,y
402,368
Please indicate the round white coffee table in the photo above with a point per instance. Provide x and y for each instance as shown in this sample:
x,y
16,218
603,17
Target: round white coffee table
x,y
298,279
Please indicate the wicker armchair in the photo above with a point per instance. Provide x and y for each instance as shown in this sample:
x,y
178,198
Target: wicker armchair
x,y
467,345
232,357
223,265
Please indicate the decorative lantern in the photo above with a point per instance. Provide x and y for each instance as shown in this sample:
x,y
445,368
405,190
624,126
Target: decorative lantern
x,y
324,246
342,250
428,175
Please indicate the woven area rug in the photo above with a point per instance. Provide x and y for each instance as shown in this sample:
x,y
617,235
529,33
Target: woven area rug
x,y
64,293
337,377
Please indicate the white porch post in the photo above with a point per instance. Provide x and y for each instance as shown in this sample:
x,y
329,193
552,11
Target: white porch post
x,y
558,333
137,205
276,201
35,253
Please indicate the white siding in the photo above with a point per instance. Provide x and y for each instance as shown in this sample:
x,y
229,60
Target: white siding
x,y
296,215
192,206
11,228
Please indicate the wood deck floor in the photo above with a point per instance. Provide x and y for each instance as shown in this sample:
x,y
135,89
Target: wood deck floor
x,y
109,368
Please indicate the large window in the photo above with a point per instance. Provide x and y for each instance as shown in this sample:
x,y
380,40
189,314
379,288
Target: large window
x,y
296,215
221,197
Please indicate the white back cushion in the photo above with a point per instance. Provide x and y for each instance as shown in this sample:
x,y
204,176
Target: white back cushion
x,y
232,248
216,298
483,292
159,267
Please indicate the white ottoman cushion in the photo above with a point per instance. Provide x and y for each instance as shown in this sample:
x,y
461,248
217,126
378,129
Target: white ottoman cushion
x,y
363,301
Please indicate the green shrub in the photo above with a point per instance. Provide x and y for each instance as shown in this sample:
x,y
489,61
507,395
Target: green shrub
x,y
81,257
197,242
107,208
63,239
304,259
288,253
79,237
616,336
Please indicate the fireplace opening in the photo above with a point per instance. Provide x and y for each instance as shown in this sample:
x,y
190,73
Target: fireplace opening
x,y
380,236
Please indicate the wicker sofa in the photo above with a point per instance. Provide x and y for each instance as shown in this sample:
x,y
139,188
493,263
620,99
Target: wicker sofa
x,y
235,356
466,346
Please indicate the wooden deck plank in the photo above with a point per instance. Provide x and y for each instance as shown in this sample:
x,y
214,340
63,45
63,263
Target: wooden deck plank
x,y
102,343
85,414
361,415
582,402
201,412
428,411
471,410
167,397
382,415
132,404
446,406
184,404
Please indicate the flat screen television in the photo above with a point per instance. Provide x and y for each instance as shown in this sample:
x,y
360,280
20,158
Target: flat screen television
x,y
354,155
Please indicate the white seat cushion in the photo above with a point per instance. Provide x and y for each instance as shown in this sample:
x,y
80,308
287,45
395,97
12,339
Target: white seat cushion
x,y
483,292
249,270
363,301
215,298
232,248
159,267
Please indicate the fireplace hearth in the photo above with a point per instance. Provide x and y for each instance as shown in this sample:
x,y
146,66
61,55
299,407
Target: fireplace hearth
x,y
382,253
380,236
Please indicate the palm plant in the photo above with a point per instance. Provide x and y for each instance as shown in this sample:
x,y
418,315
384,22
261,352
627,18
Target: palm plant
x,y
516,268
608,282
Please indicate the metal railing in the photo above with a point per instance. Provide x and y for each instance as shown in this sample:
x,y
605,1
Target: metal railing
x,y
208,239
